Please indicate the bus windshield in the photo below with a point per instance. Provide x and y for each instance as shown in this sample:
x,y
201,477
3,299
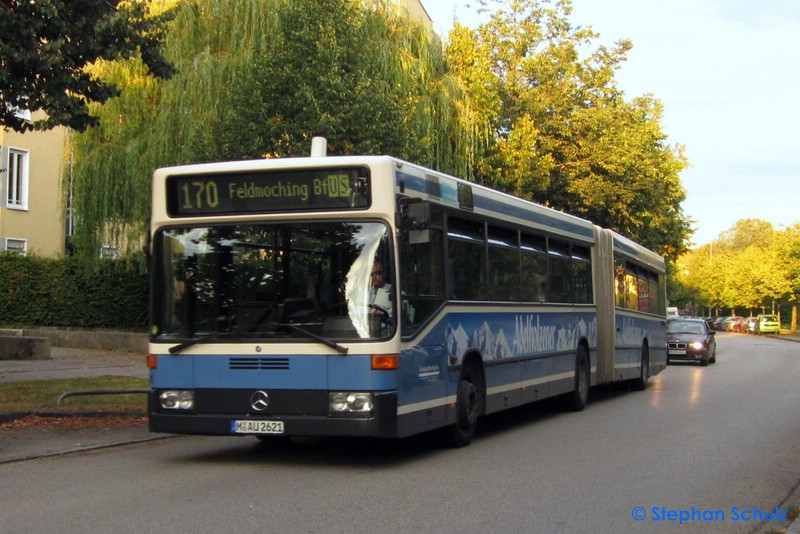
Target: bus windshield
x,y
277,281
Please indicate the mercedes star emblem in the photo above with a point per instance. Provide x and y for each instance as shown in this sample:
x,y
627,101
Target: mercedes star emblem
x,y
259,401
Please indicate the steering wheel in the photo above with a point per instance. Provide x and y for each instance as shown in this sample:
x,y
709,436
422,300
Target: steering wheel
x,y
383,313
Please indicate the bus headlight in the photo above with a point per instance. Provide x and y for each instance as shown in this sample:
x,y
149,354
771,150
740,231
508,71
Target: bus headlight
x,y
177,400
350,403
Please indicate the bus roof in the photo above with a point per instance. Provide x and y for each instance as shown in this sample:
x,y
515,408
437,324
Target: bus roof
x,y
441,188
637,252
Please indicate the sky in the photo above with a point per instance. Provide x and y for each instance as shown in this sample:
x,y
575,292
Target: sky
x,y
728,75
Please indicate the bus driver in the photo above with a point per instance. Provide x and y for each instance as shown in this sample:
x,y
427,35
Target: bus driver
x,y
380,292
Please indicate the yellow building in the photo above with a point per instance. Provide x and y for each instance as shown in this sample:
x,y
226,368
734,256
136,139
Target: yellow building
x,y
31,204
413,8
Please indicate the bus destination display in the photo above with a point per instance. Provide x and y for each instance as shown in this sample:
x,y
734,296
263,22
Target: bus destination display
x,y
268,191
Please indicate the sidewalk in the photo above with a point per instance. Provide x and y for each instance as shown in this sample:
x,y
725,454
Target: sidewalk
x,y
36,436
25,436
74,363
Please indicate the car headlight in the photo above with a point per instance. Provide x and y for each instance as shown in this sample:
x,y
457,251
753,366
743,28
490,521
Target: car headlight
x,y
697,345
177,399
350,403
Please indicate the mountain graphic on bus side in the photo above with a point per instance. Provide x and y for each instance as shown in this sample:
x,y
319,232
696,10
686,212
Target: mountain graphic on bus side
x,y
532,335
492,346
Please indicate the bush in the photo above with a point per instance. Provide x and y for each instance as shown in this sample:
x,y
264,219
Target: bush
x,y
73,292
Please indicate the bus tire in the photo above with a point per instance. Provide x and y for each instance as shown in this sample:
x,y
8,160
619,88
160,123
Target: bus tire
x,y
640,384
469,407
579,397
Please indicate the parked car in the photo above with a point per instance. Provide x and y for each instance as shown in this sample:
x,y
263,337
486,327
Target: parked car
x,y
767,324
691,340
730,322
719,323
739,324
750,325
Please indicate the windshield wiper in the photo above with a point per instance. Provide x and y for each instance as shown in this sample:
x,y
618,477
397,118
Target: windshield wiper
x,y
324,341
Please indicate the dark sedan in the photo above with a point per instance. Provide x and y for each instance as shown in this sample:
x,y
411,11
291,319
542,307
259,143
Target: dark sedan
x,y
690,340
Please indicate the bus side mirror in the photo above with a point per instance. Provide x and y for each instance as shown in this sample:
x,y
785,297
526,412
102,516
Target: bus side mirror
x,y
416,220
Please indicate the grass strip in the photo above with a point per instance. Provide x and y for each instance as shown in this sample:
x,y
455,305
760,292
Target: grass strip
x,y
41,395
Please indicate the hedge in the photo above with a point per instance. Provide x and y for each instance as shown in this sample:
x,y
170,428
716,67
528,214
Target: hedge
x,y
72,291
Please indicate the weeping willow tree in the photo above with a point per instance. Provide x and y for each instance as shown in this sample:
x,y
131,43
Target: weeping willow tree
x,y
260,78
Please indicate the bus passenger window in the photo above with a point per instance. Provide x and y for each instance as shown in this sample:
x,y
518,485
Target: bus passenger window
x,y
504,265
582,274
619,285
559,277
467,259
534,268
631,288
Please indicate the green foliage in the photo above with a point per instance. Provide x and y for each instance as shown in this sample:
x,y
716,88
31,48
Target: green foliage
x,y
73,292
524,103
751,267
48,44
336,62
563,135
258,78
679,293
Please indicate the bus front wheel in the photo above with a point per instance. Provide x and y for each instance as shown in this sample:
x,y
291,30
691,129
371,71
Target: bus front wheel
x,y
579,397
469,406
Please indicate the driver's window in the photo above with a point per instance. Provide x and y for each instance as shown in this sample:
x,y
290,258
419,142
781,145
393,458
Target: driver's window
x,y
421,278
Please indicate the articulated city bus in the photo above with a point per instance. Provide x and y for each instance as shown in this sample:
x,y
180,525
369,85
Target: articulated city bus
x,y
368,296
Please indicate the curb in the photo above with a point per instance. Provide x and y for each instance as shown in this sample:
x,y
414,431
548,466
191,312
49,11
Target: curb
x,y
15,416
78,448
49,439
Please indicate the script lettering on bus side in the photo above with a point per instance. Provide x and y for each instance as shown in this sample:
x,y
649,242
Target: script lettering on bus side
x,y
532,338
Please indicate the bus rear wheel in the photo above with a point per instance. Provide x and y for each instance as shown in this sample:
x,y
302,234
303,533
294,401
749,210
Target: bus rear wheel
x,y
640,384
469,406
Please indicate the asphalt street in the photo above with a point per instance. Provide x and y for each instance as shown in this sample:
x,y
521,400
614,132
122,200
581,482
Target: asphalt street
x,y
30,436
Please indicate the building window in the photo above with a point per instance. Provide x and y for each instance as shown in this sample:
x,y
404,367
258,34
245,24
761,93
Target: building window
x,y
17,246
17,179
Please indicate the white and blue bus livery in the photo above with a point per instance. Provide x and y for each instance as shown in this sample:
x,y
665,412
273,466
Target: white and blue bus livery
x,y
267,319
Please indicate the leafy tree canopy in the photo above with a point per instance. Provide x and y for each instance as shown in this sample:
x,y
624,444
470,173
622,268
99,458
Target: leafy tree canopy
x,y
47,46
750,268
523,104
259,78
562,133
746,233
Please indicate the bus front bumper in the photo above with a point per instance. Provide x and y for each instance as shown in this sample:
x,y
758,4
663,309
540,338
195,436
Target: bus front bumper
x,y
381,422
